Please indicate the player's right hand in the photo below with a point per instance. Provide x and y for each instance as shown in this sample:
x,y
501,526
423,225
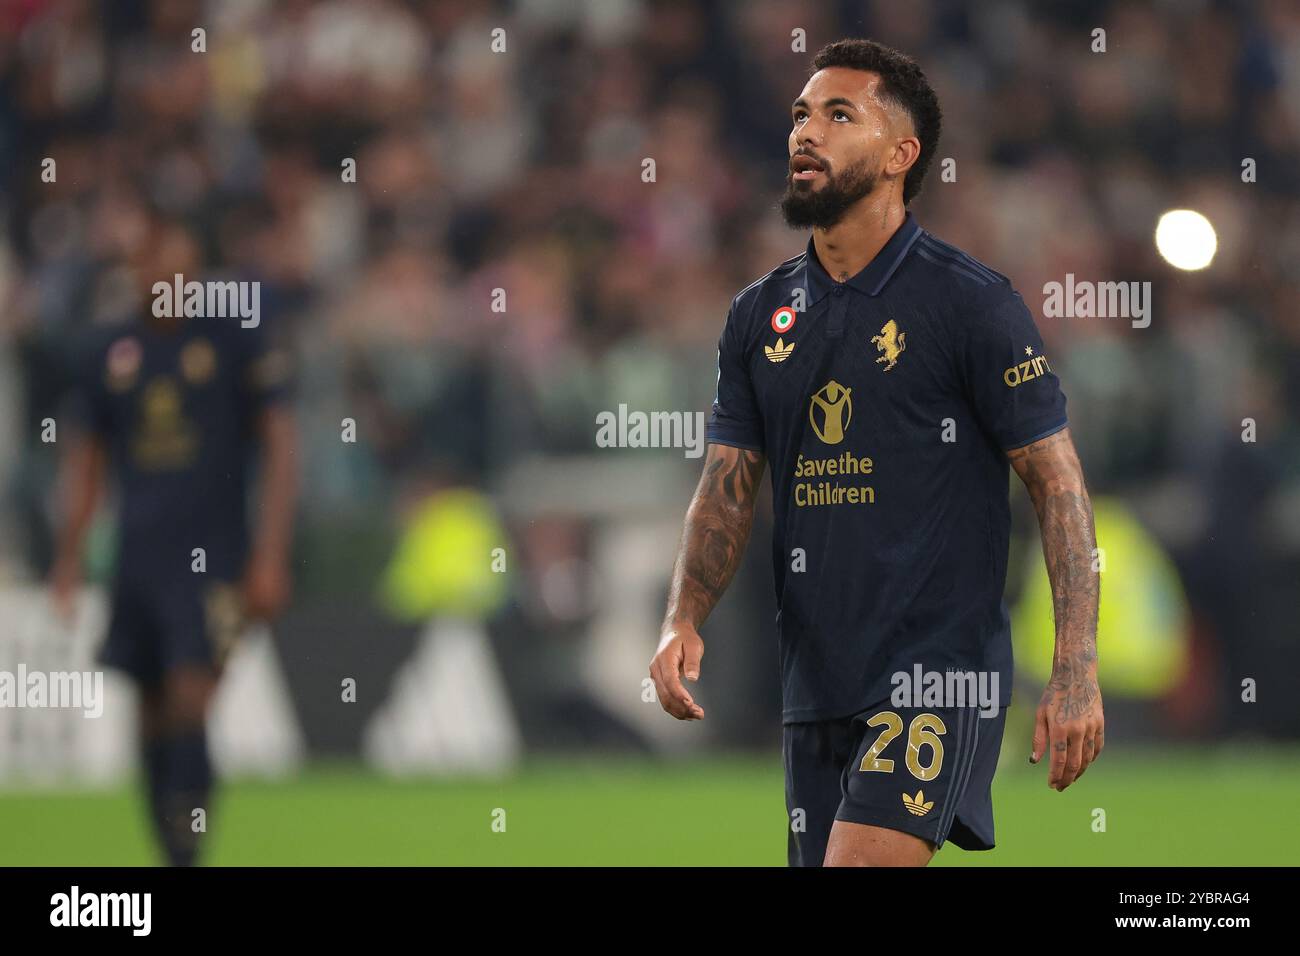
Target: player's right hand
x,y
65,579
679,653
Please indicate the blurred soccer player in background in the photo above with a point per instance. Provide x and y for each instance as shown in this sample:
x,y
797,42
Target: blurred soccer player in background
x,y
890,378
174,411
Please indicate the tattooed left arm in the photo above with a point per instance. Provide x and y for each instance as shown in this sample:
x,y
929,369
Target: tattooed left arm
x,y
1069,718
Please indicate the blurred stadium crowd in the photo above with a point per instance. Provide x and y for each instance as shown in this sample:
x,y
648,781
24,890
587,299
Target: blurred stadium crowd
x,y
522,170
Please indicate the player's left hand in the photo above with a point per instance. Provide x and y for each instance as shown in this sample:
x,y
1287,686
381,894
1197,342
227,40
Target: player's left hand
x,y
266,587
1070,724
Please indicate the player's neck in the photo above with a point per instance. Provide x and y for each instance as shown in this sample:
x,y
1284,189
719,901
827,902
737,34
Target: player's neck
x,y
848,247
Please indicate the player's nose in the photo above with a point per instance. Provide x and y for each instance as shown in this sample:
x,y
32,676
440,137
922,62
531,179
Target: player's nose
x,y
809,134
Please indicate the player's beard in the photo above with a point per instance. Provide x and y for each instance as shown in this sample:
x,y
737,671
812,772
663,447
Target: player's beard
x,y
803,206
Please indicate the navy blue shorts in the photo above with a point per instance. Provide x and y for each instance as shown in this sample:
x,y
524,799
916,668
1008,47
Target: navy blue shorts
x,y
159,625
923,770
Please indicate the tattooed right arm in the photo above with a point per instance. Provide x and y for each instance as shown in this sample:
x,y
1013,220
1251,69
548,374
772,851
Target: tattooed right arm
x,y
713,542
716,532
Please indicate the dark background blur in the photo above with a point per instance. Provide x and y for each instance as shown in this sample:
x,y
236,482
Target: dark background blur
x,y
522,171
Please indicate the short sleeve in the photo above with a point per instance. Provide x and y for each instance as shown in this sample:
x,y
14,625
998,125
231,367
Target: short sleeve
x,y
269,374
86,402
735,419
1016,395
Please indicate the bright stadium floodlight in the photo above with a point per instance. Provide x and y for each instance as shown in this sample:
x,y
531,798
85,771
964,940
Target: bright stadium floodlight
x,y
1186,239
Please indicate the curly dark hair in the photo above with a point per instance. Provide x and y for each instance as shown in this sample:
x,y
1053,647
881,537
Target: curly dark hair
x,y
902,84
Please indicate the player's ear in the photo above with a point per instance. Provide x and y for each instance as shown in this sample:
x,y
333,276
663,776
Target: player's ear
x,y
907,150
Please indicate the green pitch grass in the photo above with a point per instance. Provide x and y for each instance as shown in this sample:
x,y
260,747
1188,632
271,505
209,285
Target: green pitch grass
x,y
1189,807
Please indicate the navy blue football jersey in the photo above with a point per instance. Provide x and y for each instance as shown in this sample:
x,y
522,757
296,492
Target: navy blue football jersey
x,y
885,406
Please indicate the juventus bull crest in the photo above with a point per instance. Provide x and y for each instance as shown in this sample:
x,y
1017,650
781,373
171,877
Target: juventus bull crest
x,y
890,343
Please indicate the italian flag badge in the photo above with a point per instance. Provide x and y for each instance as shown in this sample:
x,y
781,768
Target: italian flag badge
x,y
783,319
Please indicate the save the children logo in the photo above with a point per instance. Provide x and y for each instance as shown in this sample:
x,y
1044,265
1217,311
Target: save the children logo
x,y
833,404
